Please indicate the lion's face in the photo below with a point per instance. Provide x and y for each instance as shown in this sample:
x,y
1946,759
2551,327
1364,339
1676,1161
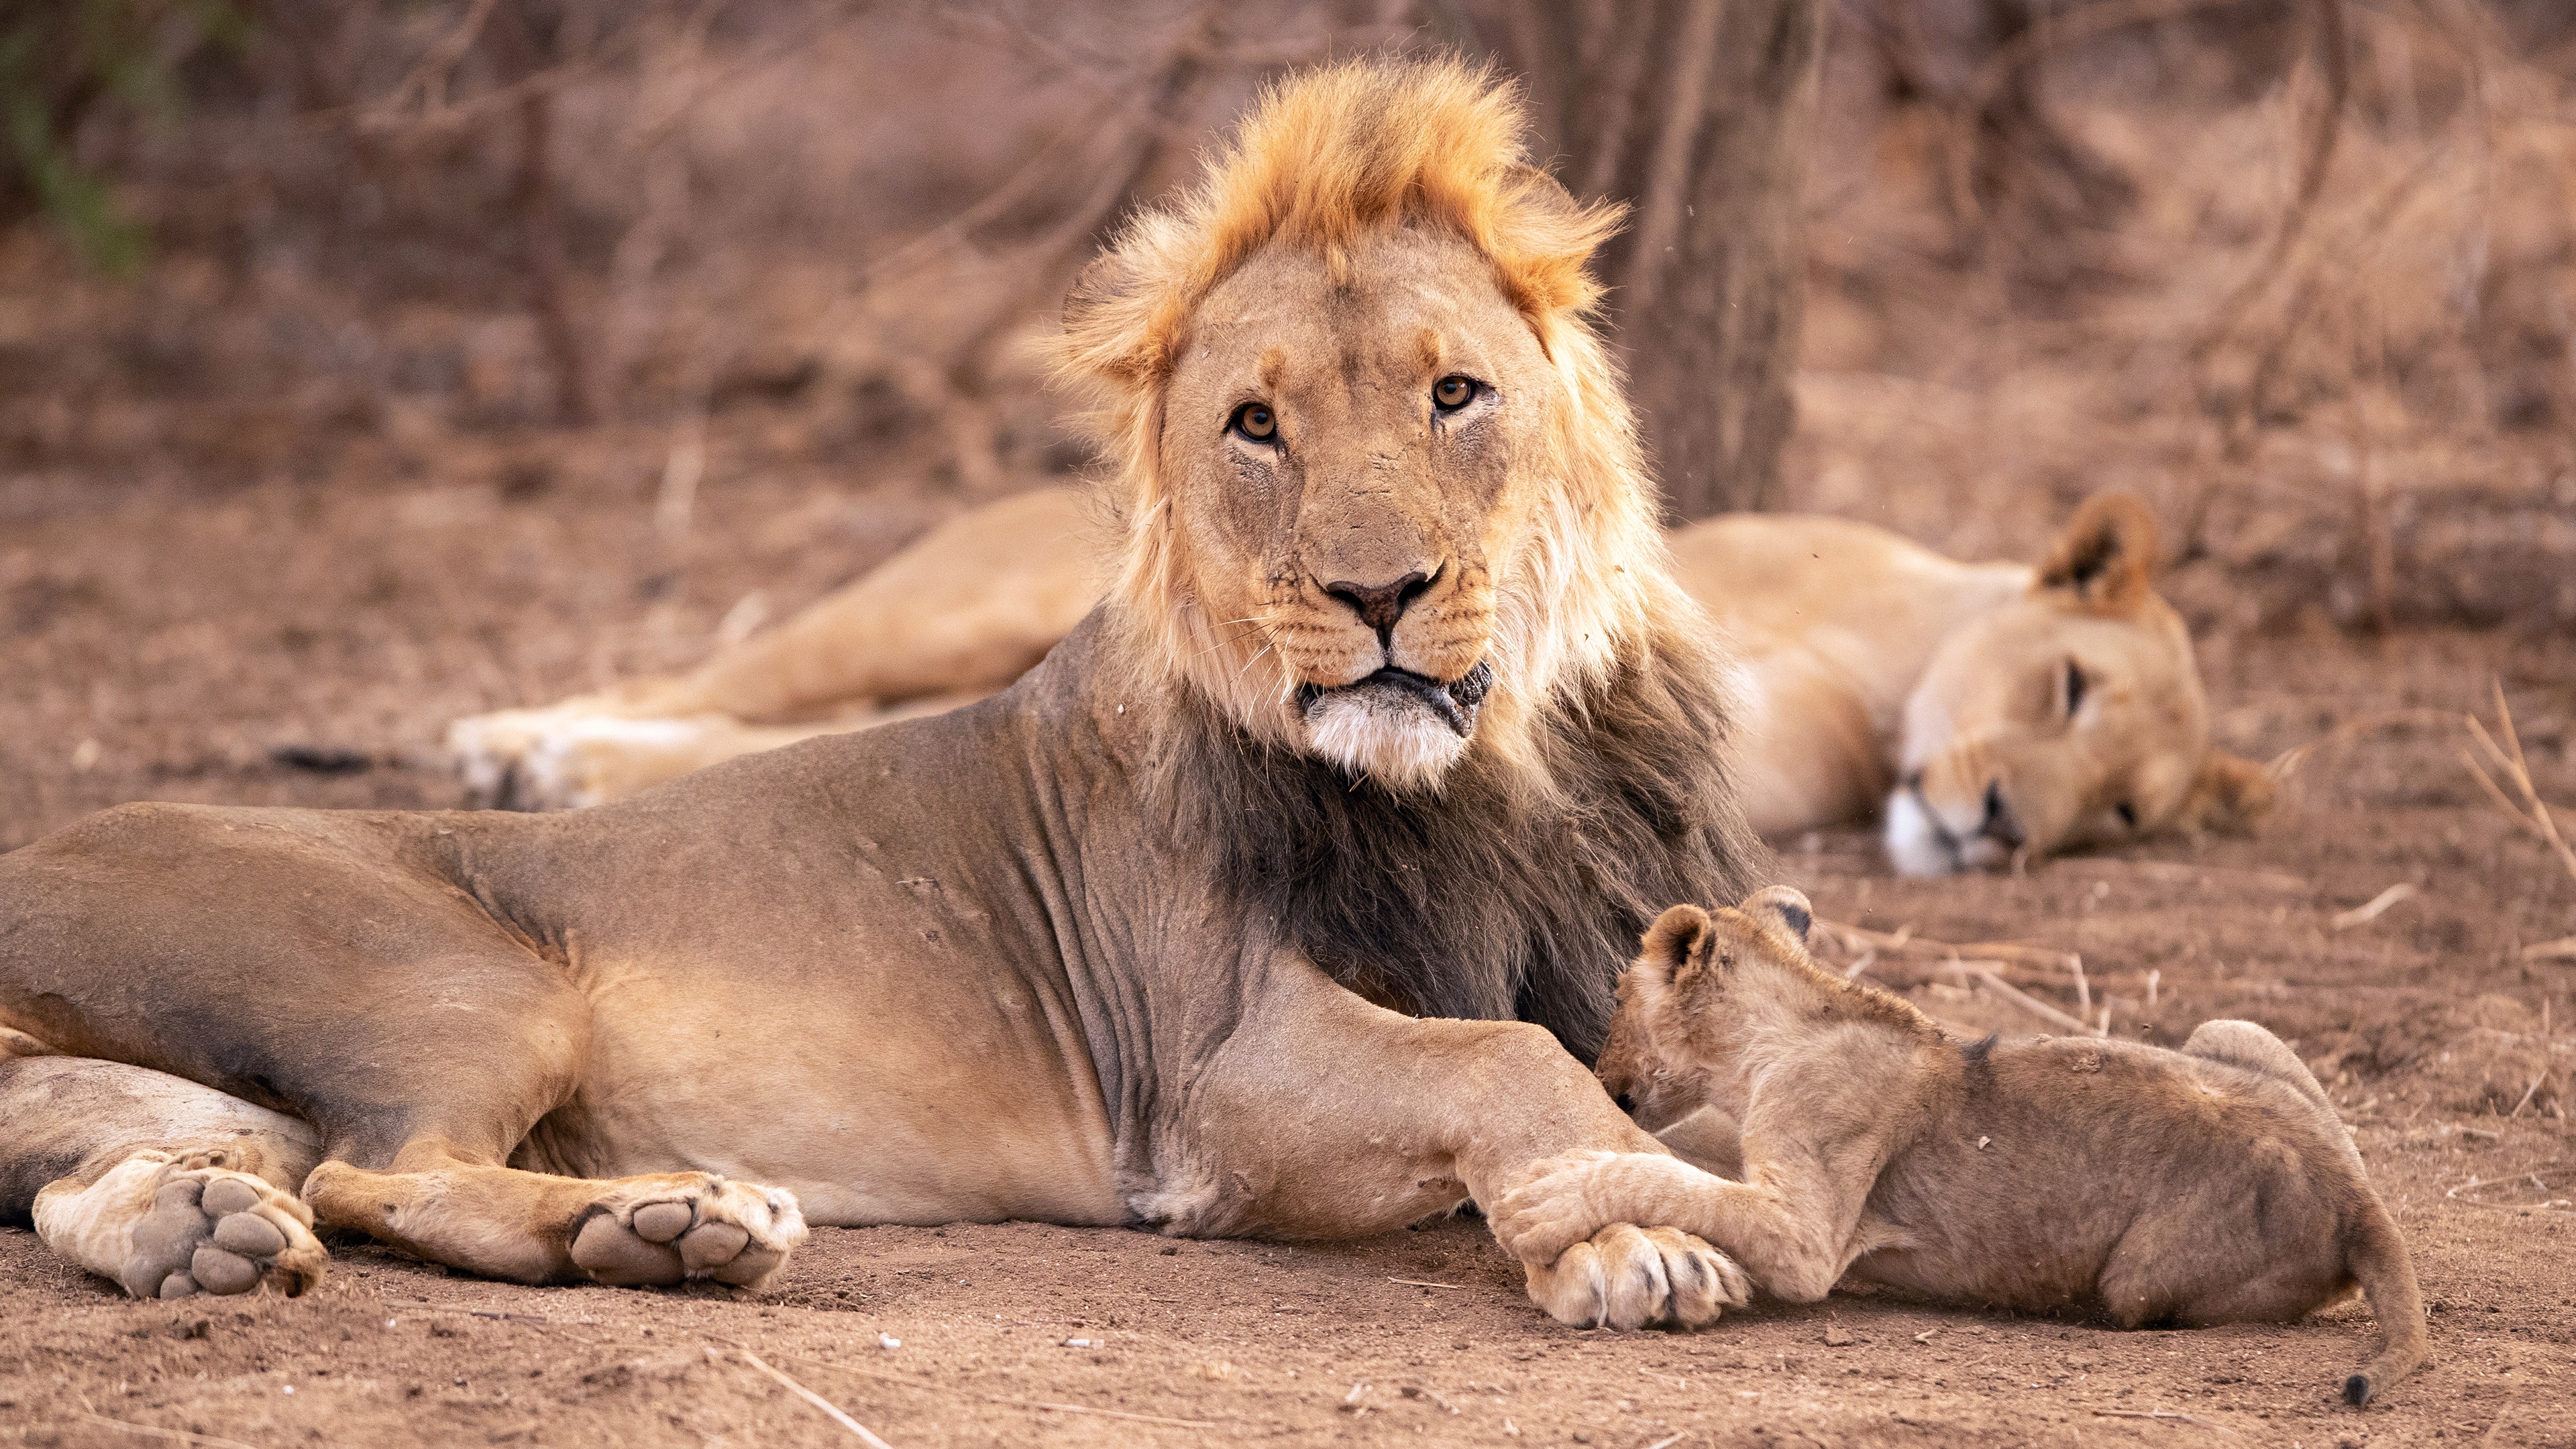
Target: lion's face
x,y
2073,717
1351,470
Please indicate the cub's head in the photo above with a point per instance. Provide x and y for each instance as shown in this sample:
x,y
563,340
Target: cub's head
x,y
1382,496
2072,717
1704,982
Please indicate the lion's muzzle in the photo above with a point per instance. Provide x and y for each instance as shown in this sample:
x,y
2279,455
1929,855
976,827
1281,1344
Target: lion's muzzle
x,y
1453,703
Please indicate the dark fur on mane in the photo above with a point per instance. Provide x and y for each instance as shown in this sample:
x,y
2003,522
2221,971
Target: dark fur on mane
x,y
1472,903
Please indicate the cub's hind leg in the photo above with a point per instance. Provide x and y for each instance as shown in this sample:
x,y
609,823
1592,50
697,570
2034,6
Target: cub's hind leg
x,y
162,1185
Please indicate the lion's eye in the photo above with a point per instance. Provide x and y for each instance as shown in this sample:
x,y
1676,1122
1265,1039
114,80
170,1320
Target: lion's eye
x,y
2075,686
1255,421
2128,814
1453,392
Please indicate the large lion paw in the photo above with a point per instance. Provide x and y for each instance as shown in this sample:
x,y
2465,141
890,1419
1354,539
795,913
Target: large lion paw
x,y
169,1226
1627,1277
683,1225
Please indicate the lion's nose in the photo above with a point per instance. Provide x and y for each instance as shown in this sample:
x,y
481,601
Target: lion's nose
x,y
1999,823
1380,605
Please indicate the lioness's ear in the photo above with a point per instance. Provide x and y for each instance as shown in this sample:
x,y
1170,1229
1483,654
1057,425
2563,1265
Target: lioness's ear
x,y
1786,904
2107,556
2228,795
1676,937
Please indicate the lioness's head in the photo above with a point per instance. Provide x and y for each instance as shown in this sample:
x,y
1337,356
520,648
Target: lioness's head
x,y
1381,493
1706,984
2072,717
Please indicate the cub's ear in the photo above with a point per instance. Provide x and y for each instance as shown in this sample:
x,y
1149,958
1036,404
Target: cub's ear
x,y
1678,938
2229,795
1786,904
2106,557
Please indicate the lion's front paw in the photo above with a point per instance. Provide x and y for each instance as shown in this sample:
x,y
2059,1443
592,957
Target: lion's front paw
x,y
687,1225
213,1230
1627,1277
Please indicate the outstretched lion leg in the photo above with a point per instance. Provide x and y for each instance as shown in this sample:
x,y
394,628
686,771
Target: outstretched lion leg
x,y
955,615
534,1227
162,1185
1323,1116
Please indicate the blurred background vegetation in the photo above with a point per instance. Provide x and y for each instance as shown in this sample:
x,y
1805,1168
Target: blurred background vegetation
x,y
2303,272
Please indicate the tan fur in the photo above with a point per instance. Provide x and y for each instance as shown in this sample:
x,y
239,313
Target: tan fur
x,y
994,963
1865,657
1380,172
2209,1185
1876,670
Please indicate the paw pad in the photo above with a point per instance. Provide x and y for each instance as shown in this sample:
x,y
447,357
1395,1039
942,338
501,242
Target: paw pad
x,y
214,1231
728,1231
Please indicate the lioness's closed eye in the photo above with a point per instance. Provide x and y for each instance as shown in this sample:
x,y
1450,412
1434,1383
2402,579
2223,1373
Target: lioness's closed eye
x,y
2209,1185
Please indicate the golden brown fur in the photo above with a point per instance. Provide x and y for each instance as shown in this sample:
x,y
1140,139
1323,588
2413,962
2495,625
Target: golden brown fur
x,y
1267,904
1360,166
2209,1185
1863,657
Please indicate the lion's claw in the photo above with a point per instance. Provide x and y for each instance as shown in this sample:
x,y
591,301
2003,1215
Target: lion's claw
x,y
1627,1277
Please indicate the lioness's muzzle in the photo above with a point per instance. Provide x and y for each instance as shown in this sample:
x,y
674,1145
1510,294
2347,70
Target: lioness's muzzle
x,y
1454,702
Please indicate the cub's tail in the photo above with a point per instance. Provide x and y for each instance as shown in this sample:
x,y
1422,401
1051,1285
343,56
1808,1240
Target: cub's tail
x,y
2377,1254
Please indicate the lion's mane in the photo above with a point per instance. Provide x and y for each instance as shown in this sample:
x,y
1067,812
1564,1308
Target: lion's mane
x,y
1596,792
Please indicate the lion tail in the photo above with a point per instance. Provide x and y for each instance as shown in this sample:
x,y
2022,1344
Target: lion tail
x,y
2378,1257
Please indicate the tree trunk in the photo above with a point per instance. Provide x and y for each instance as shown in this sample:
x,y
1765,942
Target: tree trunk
x,y
1697,114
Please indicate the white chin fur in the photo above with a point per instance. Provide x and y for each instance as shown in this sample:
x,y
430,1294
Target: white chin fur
x,y
1913,846
1391,740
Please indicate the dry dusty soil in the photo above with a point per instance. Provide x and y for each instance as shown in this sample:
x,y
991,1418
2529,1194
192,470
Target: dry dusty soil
x,y
168,643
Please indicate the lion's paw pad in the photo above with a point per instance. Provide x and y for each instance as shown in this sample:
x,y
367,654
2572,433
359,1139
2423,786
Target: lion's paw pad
x,y
1627,1277
212,1230
667,1231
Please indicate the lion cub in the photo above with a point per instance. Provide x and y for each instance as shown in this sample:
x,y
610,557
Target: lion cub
x,y
2209,1185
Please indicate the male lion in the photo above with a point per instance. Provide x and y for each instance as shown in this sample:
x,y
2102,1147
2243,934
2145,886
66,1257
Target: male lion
x,y
1993,708
2209,1185
1269,904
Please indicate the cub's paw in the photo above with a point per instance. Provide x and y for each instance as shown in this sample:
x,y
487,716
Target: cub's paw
x,y
1561,1201
570,755
214,1230
682,1225
1627,1277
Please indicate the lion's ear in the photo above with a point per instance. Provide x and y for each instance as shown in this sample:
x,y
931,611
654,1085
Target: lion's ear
x,y
2106,557
1677,938
1786,904
2229,795
1111,327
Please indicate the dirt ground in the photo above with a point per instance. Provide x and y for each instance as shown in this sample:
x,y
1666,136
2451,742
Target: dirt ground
x,y
296,642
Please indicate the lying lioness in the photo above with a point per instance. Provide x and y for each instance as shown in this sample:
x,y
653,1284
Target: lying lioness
x,y
2209,1185
1994,708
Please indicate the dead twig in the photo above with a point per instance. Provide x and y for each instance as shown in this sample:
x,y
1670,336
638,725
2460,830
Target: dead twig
x,y
1106,1413
2562,949
1418,1283
2035,1006
817,1400
2533,813
2374,908
1856,940
2175,1414
157,1432
2531,1172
